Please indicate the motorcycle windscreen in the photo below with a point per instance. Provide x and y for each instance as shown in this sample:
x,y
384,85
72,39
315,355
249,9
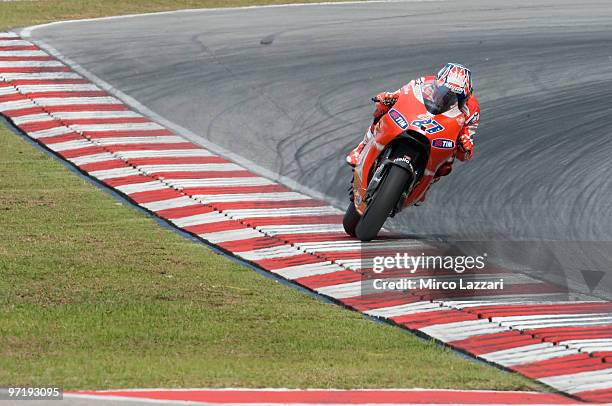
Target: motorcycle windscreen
x,y
440,100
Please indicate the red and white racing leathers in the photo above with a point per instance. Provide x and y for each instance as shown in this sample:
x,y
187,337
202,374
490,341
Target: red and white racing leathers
x,y
471,111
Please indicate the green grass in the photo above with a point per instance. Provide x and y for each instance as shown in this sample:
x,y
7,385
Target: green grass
x,y
25,13
94,294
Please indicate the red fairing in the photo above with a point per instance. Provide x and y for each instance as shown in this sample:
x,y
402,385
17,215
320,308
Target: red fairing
x,y
409,113
471,112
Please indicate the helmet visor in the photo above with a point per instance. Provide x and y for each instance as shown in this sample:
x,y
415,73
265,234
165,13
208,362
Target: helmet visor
x,y
442,100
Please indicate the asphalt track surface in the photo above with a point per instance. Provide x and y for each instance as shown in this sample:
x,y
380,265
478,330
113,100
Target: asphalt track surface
x,y
288,88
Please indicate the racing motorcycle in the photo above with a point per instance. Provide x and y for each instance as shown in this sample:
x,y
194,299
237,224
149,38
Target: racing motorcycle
x,y
398,164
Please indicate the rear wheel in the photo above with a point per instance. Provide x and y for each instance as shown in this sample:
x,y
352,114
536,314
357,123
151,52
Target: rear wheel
x,y
351,219
382,203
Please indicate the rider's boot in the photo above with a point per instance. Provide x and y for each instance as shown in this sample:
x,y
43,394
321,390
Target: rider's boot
x,y
444,170
421,201
353,157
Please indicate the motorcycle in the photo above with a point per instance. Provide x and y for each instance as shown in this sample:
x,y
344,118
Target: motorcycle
x,y
417,136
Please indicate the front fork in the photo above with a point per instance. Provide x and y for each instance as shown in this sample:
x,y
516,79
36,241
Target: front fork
x,y
386,161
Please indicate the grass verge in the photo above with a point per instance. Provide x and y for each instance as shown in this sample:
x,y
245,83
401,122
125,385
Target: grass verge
x,y
25,13
94,294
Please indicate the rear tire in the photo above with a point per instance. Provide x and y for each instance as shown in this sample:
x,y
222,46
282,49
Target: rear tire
x,y
351,219
383,202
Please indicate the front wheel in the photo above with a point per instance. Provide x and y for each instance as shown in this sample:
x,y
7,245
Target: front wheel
x,y
382,203
351,219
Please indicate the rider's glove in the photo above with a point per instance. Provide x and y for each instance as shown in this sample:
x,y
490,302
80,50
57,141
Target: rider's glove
x,y
466,144
386,98
384,101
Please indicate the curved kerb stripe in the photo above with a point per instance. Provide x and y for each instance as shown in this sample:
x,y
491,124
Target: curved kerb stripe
x,y
328,397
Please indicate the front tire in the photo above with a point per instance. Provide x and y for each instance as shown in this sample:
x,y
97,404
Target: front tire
x,y
383,202
351,219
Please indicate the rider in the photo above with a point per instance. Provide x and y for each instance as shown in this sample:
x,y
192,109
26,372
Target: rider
x,y
453,84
